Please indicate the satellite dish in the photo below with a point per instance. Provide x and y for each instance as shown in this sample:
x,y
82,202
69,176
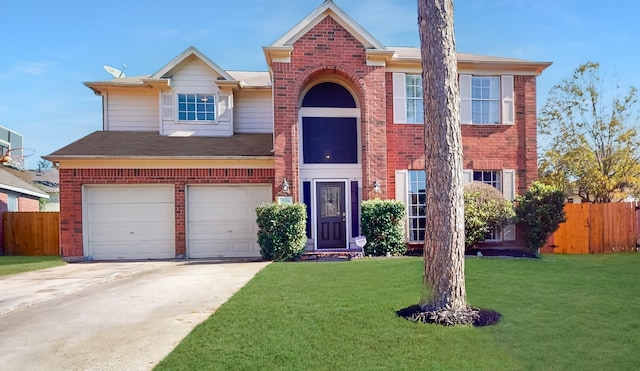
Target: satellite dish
x,y
116,73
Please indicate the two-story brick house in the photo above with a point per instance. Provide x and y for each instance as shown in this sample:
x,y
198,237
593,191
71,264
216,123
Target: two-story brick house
x,y
188,152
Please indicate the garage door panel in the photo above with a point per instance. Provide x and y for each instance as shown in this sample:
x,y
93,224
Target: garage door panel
x,y
129,222
129,231
107,250
221,220
128,195
108,213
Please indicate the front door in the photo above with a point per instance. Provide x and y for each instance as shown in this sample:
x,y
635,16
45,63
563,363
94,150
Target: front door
x,y
332,220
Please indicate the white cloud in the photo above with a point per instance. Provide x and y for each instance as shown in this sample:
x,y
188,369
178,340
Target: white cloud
x,y
33,68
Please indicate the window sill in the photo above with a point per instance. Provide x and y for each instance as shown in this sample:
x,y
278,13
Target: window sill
x,y
196,122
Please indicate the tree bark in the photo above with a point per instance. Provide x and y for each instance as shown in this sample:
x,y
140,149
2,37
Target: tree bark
x,y
443,281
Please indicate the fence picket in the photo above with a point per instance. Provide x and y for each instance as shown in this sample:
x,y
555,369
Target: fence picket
x,y
596,229
31,233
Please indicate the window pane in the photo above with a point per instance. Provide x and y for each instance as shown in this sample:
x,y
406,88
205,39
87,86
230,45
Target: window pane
x,y
417,204
414,101
196,107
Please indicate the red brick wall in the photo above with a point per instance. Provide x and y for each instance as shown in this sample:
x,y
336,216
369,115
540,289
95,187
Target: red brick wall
x,y
28,204
489,147
72,180
328,50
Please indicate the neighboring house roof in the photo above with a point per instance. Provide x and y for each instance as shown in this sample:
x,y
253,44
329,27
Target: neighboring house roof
x,y
140,144
10,182
46,180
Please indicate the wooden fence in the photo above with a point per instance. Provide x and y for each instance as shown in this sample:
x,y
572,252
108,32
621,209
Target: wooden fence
x,y
31,233
595,229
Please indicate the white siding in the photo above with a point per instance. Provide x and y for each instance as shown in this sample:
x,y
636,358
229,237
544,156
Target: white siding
x,y
196,77
129,110
253,112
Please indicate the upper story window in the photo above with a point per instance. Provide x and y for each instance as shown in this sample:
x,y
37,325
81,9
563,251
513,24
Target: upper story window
x,y
408,106
485,99
196,107
415,106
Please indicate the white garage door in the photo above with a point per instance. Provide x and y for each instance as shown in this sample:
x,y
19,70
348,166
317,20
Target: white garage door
x,y
129,222
221,220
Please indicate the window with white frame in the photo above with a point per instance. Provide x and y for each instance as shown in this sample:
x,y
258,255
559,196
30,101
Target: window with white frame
x,y
415,106
490,177
485,99
493,179
196,107
417,204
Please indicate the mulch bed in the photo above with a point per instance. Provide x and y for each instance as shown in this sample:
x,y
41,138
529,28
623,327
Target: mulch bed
x,y
502,253
486,317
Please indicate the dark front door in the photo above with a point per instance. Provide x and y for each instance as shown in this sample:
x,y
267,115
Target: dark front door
x,y
332,218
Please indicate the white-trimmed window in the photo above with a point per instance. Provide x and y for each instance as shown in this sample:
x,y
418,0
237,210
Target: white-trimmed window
x,y
415,105
408,107
196,107
417,204
491,178
487,100
504,181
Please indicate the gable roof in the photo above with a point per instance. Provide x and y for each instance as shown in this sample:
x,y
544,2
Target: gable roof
x,y
149,144
191,51
328,8
10,182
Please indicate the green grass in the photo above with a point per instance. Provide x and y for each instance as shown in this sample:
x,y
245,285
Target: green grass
x,y
20,264
559,313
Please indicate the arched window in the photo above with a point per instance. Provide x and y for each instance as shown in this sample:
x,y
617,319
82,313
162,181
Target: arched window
x,y
328,94
329,140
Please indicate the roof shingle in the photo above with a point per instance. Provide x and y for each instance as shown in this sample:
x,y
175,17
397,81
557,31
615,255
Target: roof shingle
x,y
119,144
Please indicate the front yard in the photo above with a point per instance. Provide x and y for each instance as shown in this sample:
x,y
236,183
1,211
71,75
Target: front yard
x,y
559,313
21,264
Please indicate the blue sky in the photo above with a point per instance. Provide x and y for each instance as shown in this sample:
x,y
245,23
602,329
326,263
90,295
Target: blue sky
x,y
48,48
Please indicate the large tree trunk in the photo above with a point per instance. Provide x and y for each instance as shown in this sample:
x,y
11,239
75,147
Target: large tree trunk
x,y
443,282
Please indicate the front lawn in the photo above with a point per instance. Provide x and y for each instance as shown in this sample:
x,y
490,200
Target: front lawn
x,y
559,313
20,264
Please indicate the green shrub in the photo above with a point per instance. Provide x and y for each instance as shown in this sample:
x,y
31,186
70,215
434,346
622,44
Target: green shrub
x,y
281,230
383,227
484,209
540,211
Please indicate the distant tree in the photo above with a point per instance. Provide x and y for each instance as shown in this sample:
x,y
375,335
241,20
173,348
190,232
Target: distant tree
x,y
44,165
594,142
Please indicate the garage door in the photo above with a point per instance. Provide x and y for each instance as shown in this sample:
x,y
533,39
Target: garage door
x,y
221,220
129,222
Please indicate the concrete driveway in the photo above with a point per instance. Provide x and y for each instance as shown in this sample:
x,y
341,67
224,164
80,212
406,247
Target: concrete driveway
x,y
109,316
